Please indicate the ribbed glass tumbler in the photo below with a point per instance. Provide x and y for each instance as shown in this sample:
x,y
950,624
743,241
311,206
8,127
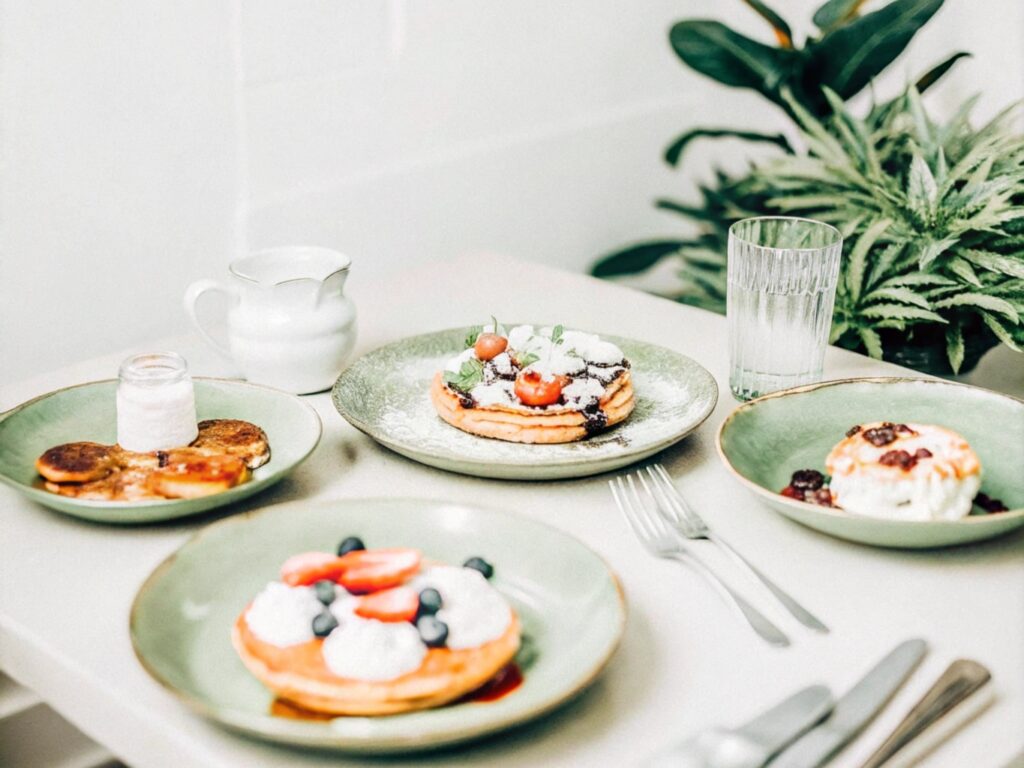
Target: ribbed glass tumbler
x,y
782,286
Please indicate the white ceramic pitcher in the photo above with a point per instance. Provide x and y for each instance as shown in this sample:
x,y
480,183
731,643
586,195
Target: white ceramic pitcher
x,y
290,325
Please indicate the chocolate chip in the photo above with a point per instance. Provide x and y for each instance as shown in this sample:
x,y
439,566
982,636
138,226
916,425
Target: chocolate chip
x,y
853,430
900,459
903,428
880,436
922,453
807,479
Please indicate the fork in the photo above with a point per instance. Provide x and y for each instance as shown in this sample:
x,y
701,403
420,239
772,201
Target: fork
x,y
662,541
686,520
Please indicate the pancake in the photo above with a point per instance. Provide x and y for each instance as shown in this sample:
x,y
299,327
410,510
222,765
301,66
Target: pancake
x,y
299,674
552,424
234,438
218,459
189,474
77,462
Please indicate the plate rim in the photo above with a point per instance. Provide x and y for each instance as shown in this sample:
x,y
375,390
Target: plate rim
x,y
36,494
523,464
807,508
303,733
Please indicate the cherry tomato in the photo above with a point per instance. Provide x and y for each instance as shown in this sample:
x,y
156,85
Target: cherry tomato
x,y
534,389
489,345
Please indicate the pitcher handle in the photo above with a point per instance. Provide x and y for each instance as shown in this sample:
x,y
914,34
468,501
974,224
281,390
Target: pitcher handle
x,y
192,294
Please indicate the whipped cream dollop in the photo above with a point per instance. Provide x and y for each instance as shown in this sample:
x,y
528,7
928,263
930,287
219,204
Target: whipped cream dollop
x,y
938,485
282,615
475,612
367,649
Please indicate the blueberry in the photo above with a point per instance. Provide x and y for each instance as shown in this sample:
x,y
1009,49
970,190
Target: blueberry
x,y
433,631
324,590
324,623
351,544
479,564
430,602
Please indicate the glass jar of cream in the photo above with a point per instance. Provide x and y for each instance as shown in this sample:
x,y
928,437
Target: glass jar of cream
x,y
156,407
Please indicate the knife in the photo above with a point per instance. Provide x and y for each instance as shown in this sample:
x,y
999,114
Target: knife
x,y
753,744
937,716
854,710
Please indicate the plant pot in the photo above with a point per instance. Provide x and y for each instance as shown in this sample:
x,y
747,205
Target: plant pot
x,y
926,352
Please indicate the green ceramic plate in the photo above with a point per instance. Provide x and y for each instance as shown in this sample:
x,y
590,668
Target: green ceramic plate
x,y
765,440
88,412
570,604
386,394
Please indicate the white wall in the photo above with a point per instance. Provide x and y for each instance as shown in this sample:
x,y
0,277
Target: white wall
x,y
144,142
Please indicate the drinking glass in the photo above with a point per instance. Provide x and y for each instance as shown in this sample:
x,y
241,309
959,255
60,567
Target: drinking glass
x,y
782,286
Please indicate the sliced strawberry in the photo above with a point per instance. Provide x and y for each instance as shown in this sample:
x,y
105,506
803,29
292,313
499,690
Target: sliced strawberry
x,y
396,604
309,567
371,570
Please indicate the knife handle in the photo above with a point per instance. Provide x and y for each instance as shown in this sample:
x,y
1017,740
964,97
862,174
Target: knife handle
x,y
959,682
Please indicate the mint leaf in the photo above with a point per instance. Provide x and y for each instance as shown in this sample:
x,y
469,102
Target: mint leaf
x,y
556,334
526,359
473,334
468,376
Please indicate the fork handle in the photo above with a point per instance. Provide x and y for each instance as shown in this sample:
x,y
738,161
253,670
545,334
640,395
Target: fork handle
x,y
757,620
800,613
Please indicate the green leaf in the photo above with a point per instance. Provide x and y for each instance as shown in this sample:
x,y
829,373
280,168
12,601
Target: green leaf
x,y
468,376
690,211
848,57
962,269
556,334
835,12
917,279
858,258
933,75
955,346
782,31
527,358
902,295
675,149
1001,332
995,262
713,49
872,342
472,335
902,312
929,251
636,258
921,186
982,301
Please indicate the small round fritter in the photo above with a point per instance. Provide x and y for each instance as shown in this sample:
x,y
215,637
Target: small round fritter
x,y
77,462
233,437
189,474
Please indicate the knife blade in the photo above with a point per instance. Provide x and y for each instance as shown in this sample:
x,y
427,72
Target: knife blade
x,y
751,745
856,709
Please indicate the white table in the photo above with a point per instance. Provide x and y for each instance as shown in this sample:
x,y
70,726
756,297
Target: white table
x,y
686,661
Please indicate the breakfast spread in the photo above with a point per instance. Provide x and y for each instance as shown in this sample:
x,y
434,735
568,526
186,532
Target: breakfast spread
x,y
376,631
897,472
528,385
161,451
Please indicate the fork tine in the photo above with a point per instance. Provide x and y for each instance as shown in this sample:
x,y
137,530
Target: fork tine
x,y
666,505
643,514
679,502
622,502
655,522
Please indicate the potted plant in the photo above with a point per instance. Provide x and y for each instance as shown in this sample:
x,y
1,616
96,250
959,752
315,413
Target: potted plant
x,y
932,273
